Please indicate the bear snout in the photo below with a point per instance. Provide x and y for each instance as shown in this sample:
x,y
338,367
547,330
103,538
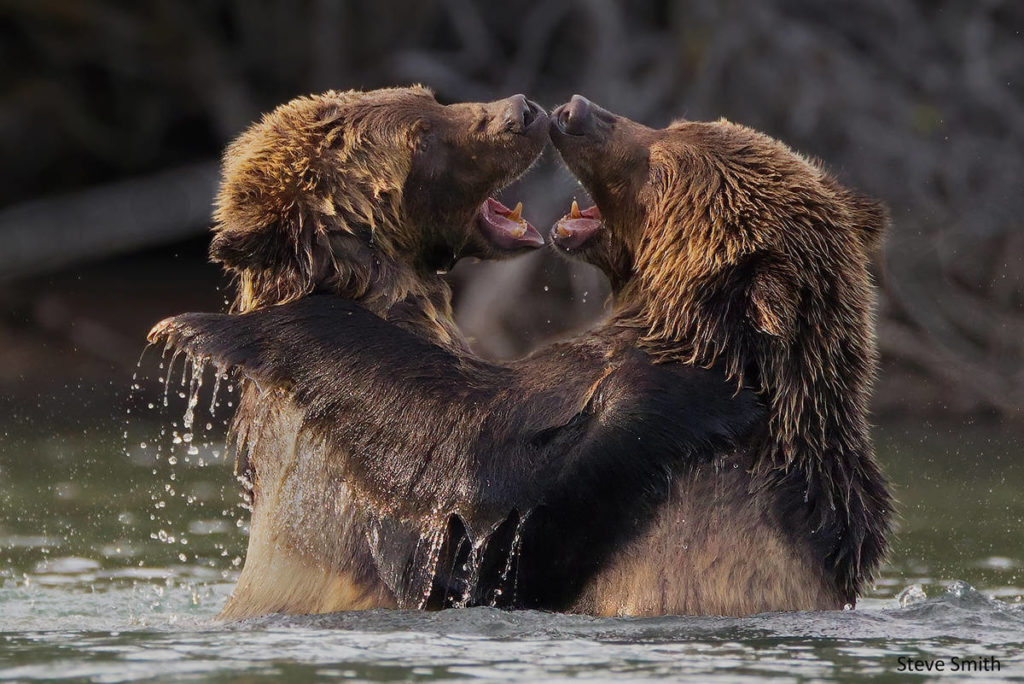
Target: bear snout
x,y
575,117
521,114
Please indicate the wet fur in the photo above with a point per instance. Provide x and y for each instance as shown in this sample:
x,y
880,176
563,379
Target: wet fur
x,y
725,251
337,193
514,485
725,248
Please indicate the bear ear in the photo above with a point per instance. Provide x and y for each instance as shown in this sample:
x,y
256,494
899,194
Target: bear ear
x,y
240,250
871,219
268,271
276,266
773,293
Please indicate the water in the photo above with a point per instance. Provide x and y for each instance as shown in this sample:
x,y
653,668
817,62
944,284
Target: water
x,y
113,565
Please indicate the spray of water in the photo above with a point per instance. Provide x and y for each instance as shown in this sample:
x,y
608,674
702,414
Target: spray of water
x,y
186,440
186,436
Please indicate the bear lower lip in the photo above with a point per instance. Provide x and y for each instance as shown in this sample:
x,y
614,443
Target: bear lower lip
x,y
577,228
574,233
505,229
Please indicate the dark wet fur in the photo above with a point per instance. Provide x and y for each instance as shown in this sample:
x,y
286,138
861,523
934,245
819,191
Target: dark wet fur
x,y
575,438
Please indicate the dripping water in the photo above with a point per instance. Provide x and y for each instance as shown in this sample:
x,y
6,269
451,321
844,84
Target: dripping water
x,y
471,568
185,440
513,560
195,386
435,539
218,372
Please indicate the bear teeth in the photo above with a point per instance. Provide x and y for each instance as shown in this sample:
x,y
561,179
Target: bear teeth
x,y
516,214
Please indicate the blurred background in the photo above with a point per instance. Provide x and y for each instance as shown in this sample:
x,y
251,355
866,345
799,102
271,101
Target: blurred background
x,y
113,115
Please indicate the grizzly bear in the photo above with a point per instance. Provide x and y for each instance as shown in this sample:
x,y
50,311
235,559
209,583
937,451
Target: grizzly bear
x,y
703,451
726,248
367,196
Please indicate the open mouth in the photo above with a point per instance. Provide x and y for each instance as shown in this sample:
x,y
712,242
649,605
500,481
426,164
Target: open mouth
x,y
506,228
576,228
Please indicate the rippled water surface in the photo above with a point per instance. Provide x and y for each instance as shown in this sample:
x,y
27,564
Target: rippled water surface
x,y
114,564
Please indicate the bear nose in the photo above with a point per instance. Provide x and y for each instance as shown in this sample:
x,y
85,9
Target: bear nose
x,y
520,113
573,117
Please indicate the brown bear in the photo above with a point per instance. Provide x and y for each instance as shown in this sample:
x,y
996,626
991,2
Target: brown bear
x,y
703,451
368,196
724,247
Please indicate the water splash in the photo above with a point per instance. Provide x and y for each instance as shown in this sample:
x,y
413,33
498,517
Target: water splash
x,y
181,442
911,595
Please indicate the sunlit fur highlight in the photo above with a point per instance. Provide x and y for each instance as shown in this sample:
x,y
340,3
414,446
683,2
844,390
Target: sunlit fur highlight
x,y
751,256
319,176
314,199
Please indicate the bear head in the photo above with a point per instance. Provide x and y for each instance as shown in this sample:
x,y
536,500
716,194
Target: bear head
x,y
369,194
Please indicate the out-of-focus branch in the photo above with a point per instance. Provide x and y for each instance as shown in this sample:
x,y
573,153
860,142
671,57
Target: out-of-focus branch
x,y
49,233
975,383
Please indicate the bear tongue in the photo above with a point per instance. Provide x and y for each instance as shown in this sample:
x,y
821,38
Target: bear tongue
x,y
506,228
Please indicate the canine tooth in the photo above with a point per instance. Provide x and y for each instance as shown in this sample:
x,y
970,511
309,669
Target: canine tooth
x,y
515,213
575,212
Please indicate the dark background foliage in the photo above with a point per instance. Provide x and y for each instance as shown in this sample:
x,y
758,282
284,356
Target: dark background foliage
x,y
113,114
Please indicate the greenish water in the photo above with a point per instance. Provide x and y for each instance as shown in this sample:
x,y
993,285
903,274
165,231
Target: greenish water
x,y
113,564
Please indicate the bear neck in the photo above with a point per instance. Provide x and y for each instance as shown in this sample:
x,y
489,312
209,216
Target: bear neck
x,y
412,298
816,383
425,309
371,274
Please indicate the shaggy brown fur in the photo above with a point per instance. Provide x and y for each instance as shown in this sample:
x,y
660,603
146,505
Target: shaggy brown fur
x,y
518,485
632,470
726,247
366,196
